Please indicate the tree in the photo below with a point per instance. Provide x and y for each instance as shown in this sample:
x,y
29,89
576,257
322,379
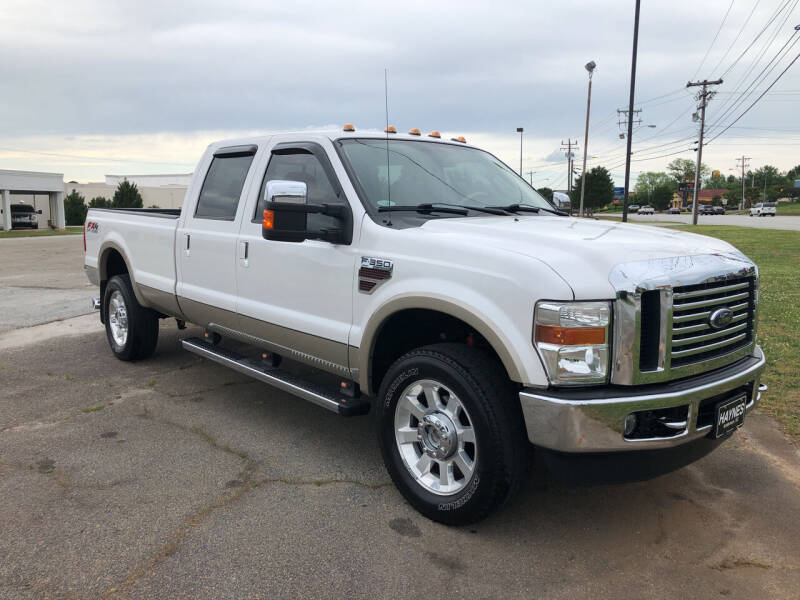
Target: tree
x,y
74,208
127,196
734,196
682,169
99,202
599,189
656,189
546,192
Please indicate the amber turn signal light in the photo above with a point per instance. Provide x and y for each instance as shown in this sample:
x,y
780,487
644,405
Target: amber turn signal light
x,y
569,336
269,220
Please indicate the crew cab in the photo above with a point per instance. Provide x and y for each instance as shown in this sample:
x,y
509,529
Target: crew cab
x,y
763,209
423,279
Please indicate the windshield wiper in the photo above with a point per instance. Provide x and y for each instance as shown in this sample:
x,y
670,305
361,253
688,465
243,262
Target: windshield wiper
x,y
516,208
425,208
456,209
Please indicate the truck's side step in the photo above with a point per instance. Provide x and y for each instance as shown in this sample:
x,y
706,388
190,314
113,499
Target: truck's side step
x,y
287,382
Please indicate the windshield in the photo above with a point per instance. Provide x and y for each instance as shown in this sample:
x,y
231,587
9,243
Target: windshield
x,y
433,173
21,208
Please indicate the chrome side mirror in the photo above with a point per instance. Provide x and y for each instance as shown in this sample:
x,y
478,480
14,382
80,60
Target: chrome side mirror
x,y
292,192
286,211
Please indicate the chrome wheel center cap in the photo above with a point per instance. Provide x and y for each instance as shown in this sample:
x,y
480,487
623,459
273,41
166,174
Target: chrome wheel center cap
x,y
438,436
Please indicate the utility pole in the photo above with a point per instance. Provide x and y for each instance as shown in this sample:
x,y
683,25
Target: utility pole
x,y
630,112
569,146
530,177
519,131
590,66
744,160
704,96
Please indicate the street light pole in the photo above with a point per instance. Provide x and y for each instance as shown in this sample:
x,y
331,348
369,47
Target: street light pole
x,y
519,131
590,66
630,112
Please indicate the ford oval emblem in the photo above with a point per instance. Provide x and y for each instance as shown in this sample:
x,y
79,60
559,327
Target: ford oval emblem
x,y
720,318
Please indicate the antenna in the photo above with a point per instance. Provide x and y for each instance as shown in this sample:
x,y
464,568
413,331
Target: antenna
x,y
386,131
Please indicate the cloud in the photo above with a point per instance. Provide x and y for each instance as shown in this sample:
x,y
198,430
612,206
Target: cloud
x,y
147,68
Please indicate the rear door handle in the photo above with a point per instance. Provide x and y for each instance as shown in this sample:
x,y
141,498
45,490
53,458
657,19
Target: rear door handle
x,y
188,250
244,253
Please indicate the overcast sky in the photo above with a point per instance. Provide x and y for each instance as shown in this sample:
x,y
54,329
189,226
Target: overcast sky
x,y
89,88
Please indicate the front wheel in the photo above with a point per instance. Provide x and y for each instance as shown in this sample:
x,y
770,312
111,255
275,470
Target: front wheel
x,y
131,329
451,432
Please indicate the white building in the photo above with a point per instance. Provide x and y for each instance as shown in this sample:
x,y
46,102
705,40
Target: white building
x,y
45,191
177,180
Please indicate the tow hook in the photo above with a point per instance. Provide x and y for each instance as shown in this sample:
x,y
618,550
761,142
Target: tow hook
x,y
762,387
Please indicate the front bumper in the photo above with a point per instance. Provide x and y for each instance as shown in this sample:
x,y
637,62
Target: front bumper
x,y
592,420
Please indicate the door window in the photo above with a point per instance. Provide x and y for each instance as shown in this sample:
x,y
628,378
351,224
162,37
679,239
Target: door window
x,y
222,187
302,165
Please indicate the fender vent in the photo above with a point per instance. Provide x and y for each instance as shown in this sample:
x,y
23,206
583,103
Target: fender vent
x,y
373,272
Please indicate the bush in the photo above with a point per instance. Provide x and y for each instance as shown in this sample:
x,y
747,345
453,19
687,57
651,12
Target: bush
x,y
99,202
75,208
127,196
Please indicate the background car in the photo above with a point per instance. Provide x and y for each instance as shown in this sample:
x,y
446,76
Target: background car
x,y
674,210
645,210
633,208
24,215
719,210
763,209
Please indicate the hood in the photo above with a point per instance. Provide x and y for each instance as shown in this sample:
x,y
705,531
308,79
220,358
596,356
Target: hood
x,y
582,251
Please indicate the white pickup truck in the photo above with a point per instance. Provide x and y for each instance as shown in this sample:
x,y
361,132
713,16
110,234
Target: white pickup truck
x,y
424,279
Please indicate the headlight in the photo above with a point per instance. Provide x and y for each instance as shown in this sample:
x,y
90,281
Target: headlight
x,y
572,339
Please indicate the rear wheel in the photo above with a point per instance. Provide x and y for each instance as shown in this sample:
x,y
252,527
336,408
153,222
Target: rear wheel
x,y
451,432
131,329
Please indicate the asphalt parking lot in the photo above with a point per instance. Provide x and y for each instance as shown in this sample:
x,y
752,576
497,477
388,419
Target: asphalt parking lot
x,y
175,477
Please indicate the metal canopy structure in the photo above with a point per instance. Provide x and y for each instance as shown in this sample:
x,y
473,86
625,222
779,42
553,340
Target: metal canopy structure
x,y
32,182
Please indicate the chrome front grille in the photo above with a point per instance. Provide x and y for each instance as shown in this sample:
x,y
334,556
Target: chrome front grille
x,y
694,340
663,313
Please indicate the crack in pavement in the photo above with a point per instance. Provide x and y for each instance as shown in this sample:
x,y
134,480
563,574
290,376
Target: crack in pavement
x,y
246,484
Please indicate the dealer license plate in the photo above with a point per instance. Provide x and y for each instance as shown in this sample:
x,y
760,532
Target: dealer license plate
x,y
730,415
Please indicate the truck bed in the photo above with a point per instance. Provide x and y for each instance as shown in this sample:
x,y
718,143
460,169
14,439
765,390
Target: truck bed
x,y
144,236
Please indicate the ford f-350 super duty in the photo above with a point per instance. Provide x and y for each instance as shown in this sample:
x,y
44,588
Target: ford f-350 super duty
x,y
424,279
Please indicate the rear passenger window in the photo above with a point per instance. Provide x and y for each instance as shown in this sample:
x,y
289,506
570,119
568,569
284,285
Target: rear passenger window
x,y
222,188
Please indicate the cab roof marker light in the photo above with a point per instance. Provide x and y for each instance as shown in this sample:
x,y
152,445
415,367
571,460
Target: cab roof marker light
x,y
348,127
435,134
459,139
414,131
390,129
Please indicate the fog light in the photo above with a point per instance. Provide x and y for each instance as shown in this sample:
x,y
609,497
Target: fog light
x,y
630,424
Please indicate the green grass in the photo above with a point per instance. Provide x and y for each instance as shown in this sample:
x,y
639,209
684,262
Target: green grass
x,y
792,208
777,254
18,233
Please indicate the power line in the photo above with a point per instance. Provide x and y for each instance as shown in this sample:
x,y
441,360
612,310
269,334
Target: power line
x,y
738,35
757,99
731,102
755,39
721,25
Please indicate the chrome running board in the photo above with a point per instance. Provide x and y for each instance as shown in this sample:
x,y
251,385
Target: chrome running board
x,y
284,381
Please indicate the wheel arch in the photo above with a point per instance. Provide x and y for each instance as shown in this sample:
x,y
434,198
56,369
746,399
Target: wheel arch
x,y
114,261
370,359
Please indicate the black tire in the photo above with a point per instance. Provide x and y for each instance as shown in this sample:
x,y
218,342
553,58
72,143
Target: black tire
x,y
142,323
490,399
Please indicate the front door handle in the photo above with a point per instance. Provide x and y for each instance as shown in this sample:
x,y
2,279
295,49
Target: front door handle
x,y
188,250
244,253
